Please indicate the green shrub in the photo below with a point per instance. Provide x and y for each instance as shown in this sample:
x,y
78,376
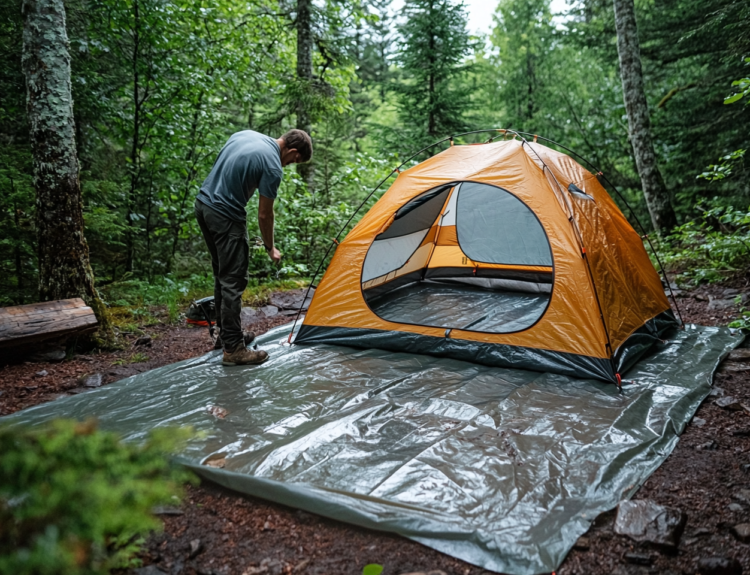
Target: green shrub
x,y
710,248
76,500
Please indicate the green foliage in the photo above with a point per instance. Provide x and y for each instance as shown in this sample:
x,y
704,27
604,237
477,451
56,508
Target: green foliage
x,y
723,169
372,569
743,321
710,248
75,500
433,98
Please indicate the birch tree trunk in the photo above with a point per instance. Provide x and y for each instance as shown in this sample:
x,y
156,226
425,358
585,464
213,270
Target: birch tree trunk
x,y
657,196
64,268
305,78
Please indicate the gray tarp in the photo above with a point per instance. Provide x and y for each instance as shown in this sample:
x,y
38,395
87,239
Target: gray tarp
x,y
502,468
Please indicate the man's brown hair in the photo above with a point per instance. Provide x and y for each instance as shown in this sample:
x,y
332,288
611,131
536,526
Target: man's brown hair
x,y
299,140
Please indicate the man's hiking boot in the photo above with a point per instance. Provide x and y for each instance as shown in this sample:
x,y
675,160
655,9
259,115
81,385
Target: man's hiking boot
x,y
248,336
244,356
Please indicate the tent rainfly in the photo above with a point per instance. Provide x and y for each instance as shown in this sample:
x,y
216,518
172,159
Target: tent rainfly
x,y
506,254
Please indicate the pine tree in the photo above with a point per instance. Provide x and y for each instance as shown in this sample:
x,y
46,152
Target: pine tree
x,y
433,99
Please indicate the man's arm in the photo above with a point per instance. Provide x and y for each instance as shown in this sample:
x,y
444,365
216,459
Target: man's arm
x,y
265,223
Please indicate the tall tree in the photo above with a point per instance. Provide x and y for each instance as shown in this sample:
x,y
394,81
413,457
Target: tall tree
x,y
655,191
64,269
433,100
305,79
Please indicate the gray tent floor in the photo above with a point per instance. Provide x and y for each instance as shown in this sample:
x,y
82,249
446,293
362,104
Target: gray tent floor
x,y
461,307
502,468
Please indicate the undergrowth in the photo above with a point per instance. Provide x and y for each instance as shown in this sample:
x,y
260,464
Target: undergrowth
x,y
709,249
77,500
135,303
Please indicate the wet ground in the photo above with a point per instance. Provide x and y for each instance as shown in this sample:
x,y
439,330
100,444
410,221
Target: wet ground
x,y
218,532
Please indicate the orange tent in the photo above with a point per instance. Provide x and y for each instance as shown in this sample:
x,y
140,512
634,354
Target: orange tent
x,y
508,254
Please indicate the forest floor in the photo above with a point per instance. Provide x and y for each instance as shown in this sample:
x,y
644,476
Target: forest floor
x,y
218,532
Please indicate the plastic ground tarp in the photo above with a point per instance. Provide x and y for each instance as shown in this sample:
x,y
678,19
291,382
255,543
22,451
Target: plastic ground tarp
x,y
502,468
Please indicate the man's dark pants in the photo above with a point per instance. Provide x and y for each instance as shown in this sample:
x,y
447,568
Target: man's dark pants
x,y
228,244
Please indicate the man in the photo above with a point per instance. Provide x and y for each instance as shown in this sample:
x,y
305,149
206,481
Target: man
x,y
248,161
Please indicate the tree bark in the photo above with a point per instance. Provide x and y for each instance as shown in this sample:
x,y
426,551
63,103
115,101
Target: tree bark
x,y
305,78
657,197
64,267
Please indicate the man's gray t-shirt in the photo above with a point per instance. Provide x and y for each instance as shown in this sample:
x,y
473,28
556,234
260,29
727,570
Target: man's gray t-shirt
x,y
248,161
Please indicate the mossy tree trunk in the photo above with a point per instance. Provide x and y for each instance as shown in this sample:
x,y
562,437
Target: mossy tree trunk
x,y
305,78
639,125
64,267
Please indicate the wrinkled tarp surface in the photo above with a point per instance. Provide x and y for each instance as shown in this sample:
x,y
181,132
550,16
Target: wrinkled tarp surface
x,y
502,468
461,307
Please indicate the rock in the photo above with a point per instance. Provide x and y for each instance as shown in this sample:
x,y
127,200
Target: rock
x,y
736,507
638,558
745,467
292,300
719,304
167,510
93,380
729,403
249,315
144,340
698,422
719,566
742,532
740,354
644,520
269,310
42,373
582,544
742,495
700,297
730,292
195,548
148,570
267,567
716,392
52,354
708,446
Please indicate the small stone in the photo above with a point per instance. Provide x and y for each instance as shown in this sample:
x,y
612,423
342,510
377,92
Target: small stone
x,y
719,566
249,315
698,422
94,380
729,403
716,392
719,304
638,558
645,520
736,507
582,544
42,373
267,567
730,292
702,531
148,570
144,340
301,565
708,446
742,532
52,354
742,495
269,310
745,467
700,297
195,548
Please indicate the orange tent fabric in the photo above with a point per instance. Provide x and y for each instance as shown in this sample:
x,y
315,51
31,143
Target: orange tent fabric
x,y
592,299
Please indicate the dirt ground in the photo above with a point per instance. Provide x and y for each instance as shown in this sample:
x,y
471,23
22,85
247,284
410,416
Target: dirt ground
x,y
216,532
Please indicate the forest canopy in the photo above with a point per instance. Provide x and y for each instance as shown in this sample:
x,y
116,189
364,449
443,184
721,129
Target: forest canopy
x,y
159,85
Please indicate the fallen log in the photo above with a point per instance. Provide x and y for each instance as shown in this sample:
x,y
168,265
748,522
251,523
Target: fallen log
x,y
24,324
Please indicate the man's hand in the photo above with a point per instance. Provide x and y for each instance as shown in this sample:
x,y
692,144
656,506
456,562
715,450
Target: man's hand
x,y
274,254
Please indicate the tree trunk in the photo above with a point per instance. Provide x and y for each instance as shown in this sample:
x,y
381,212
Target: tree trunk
x,y
64,268
305,77
657,197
